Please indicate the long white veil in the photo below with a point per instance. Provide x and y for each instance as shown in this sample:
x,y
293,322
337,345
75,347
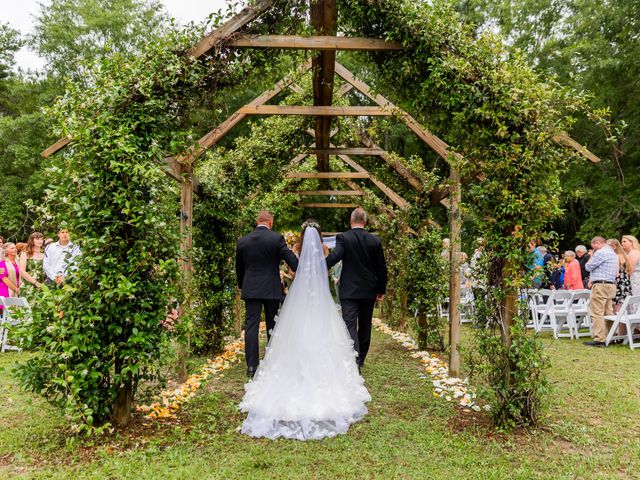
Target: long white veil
x,y
308,385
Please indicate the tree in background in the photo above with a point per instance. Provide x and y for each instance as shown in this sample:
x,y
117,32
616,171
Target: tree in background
x,y
590,45
70,34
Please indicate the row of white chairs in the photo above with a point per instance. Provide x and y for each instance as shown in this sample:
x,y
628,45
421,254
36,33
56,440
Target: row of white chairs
x,y
560,310
564,312
14,310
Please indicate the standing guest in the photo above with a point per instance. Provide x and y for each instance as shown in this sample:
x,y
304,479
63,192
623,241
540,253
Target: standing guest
x,y
548,268
631,247
9,272
59,256
556,274
572,273
603,269
478,274
446,246
536,264
465,271
30,260
583,257
623,280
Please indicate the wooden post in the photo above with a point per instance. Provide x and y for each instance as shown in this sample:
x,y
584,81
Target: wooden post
x,y
186,224
455,227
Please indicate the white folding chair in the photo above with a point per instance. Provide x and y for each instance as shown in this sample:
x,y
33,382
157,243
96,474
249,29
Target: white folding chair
x,y
629,315
579,317
542,307
14,311
558,313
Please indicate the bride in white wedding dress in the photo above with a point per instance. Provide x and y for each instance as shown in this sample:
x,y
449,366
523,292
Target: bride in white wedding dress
x,y
308,386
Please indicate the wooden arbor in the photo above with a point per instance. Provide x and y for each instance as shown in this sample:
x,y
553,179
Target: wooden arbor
x,y
324,69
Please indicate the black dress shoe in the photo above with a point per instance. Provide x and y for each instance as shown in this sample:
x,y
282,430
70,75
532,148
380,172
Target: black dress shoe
x,y
595,343
251,371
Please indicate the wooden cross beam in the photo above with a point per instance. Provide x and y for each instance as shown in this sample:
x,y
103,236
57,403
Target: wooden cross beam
x,y
316,42
329,205
332,111
347,151
327,175
214,136
330,193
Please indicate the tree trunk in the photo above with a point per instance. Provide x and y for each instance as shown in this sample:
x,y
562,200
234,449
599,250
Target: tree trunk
x,y
121,412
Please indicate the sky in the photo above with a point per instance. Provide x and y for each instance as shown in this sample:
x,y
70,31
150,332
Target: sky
x,y
19,14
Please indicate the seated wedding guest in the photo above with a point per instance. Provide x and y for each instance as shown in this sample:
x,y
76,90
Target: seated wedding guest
x,y
58,257
30,261
10,272
603,269
572,273
583,257
623,280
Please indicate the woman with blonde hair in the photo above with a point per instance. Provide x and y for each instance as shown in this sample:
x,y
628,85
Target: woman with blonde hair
x,y
631,247
623,280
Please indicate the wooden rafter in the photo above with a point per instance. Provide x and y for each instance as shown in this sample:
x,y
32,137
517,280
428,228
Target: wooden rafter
x,y
231,26
214,136
316,42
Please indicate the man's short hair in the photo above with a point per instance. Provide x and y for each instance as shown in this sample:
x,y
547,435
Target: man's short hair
x,y
62,226
359,216
598,239
264,216
581,248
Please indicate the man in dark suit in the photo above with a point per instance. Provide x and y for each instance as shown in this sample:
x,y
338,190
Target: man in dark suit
x,y
258,256
363,279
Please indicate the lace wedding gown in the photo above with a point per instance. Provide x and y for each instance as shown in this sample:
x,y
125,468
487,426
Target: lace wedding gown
x,y
308,386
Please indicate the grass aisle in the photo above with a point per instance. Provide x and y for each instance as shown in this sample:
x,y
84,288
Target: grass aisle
x,y
407,434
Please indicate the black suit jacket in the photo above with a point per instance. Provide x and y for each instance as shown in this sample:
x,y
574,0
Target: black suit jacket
x,y
258,258
364,269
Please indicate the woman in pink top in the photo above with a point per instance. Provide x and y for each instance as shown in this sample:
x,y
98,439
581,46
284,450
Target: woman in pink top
x,y
572,272
9,272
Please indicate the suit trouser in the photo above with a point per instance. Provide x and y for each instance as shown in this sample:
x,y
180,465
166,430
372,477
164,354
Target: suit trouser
x,y
601,304
253,308
357,314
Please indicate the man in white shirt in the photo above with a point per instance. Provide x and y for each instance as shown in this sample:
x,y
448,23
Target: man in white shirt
x,y
59,256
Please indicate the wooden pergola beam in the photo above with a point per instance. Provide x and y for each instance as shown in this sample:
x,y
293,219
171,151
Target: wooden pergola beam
x,y
394,163
327,175
347,151
330,193
314,42
329,205
231,26
215,135
331,111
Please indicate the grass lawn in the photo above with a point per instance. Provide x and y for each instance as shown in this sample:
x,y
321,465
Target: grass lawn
x,y
592,430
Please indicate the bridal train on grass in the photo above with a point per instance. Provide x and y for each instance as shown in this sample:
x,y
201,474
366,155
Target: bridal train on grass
x,y
308,386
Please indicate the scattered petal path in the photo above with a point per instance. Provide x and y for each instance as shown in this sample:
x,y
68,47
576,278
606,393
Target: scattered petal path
x,y
174,398
450,388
